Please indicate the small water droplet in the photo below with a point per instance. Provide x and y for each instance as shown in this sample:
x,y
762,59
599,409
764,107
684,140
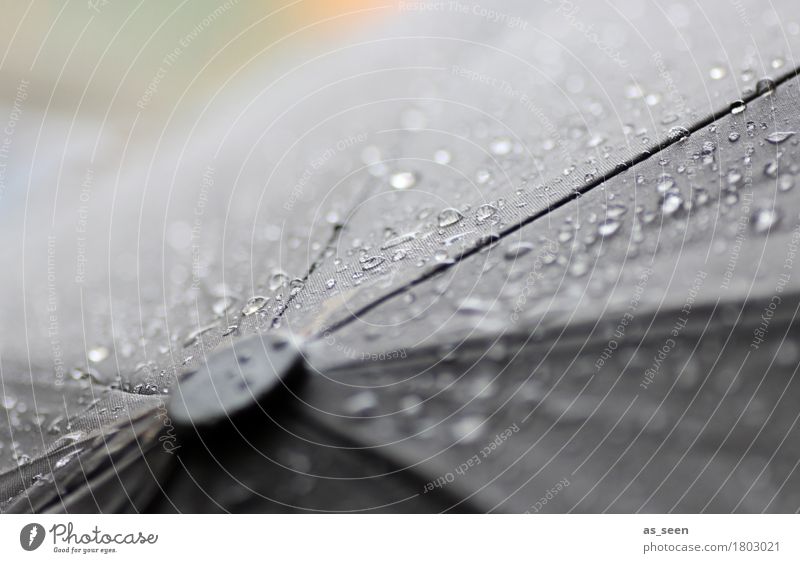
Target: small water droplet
x,y
330,284
485,212
785,182
64,460
733,136
777,137
738,107
441,255
442,156
482,176
771,169
501,146
402,180
764,219
518,249
361,404
398,240
220,306
672,202
765,87
616,210
717,72
678,133
254,304
371,262
665,183
608,227
277,280
734,177
449,217
98,354
468,429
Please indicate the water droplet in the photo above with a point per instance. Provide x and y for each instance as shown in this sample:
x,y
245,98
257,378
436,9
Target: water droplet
x,y
398,240
468,429
361,404
482,176
64,460
616,210
785,182
220,306
501,146
717,72
608,227
733,136
485,212
296,286
734,177
330,284
98,354
665,183
777,137
449,217
765,87
370,154
771,169
194,336
678,133
672,202
278,280
254,304
441,255
371,262
518,249
442,156
763,220
738,107
402,180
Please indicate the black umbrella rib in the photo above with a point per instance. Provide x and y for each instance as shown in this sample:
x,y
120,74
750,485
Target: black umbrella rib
x,y
647,154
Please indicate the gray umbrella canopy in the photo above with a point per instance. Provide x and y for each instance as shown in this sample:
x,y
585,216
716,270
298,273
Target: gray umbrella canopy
x,y
538,259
